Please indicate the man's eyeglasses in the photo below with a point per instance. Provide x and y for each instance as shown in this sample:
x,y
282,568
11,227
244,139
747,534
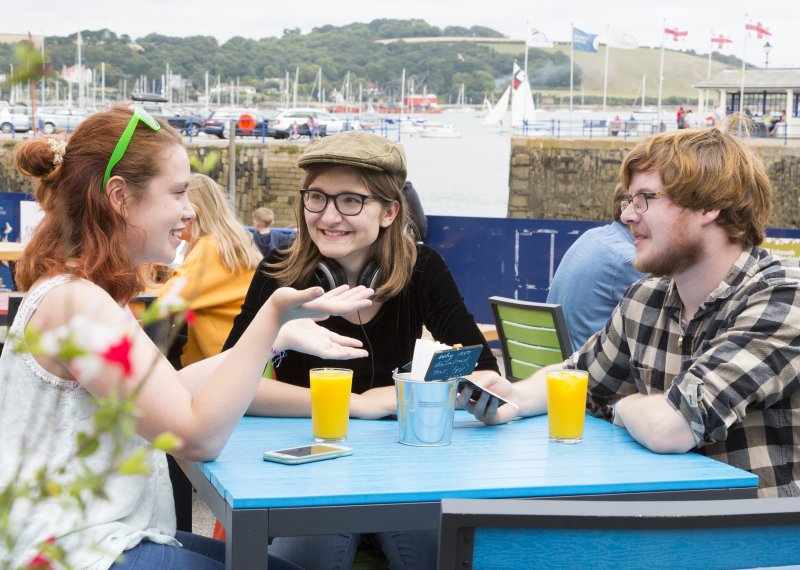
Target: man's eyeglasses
x,y
640,201
139,114
347,203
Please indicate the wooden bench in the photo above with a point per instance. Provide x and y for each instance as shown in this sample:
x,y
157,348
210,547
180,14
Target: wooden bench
x,y
615,535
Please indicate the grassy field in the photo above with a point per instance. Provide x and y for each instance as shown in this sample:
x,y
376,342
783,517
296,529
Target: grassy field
x,y
626,68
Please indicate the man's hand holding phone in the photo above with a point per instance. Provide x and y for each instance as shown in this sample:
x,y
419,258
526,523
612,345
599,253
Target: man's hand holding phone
x,y
489,405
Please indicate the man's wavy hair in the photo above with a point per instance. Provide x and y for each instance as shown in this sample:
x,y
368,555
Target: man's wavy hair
x,y
709,169
80,233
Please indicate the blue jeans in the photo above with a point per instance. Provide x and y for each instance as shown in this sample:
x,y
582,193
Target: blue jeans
x,y
198,553
405,550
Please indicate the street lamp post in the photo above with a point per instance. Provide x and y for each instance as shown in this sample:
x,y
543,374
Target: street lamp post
x,y
767,48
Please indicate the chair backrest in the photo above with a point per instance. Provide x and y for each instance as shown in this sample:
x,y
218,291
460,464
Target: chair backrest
x,y
532,335
157,331
14,301
503,534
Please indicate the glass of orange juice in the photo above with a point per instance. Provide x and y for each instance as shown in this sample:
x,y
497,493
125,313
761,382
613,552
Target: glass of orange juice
x,y
330,402
566,404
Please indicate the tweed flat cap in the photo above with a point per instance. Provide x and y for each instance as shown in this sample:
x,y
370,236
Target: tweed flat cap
x,y
359,149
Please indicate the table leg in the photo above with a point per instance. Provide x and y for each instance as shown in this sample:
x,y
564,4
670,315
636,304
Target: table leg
x,y
249,550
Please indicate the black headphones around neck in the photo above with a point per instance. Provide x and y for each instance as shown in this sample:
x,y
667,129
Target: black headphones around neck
x,y
330,275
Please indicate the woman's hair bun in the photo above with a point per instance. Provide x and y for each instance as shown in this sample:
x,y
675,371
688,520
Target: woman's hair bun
x,y
38,158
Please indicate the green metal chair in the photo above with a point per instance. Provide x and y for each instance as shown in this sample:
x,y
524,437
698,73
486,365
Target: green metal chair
x,y
532,335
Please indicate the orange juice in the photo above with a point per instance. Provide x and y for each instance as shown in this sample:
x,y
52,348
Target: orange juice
x,y
566,404
330,402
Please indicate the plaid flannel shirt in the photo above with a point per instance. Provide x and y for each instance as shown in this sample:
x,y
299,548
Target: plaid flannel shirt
x,y
732,373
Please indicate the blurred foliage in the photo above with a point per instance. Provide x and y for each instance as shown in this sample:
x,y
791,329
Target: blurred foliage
x,y
28,64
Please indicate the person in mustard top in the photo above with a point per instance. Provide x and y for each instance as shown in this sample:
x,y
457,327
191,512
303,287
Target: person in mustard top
x,y
217,269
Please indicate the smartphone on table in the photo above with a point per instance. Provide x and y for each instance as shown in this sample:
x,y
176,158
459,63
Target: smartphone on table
x,y
477,391
307,453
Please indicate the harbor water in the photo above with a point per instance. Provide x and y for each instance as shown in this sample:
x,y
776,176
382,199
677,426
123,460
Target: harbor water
x,y
469,175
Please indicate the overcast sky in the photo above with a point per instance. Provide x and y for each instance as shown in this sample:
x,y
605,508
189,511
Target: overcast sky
x,y
227,18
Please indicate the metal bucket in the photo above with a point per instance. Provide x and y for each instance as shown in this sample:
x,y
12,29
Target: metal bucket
x,y
425,410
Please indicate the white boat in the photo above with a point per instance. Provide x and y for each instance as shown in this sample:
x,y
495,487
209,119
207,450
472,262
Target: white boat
x,y
487,107
441,131
498,112
461,102
523,111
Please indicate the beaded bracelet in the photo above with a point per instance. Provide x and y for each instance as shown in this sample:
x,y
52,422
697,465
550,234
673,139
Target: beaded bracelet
x,y
277,357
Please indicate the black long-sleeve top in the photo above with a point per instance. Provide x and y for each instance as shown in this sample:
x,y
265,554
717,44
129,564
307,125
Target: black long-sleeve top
x,y
431,298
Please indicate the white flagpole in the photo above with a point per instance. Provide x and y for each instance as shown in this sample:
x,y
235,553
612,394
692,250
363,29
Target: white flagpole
x,y
42,69
80,74
527,34
571,63
711,49
661,72
605,75
744,54
402,94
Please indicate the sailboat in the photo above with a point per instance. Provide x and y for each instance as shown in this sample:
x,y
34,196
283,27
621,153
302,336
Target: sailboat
x,y
461,103
486,108
523,111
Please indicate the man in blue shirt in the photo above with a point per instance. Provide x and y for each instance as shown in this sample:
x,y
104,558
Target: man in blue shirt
x,y
593,275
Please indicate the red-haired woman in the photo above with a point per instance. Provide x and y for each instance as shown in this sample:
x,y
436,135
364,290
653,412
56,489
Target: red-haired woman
x,y
114,198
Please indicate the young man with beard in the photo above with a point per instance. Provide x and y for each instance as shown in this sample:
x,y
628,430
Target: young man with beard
x,y
705,354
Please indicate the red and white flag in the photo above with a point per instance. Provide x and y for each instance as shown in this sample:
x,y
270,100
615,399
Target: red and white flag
x,y
720,40
675,33
758,28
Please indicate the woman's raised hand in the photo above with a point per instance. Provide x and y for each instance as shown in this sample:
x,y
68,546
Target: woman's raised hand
x,y
314,303
304,335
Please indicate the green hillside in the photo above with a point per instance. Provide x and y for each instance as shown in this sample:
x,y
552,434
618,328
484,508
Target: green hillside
x,y
626,69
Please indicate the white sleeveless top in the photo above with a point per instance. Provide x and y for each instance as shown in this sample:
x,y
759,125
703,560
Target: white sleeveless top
x,y
41,413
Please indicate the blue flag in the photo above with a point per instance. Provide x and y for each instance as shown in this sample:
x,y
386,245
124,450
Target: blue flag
x,y
583,41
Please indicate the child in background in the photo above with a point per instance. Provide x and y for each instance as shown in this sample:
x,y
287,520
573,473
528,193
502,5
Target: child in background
x,y
265,238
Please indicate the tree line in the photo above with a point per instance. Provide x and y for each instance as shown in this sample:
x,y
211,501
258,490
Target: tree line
x,y
340,51
439,68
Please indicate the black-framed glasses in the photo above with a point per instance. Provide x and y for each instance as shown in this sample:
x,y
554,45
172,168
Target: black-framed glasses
x,y
640,201
346,203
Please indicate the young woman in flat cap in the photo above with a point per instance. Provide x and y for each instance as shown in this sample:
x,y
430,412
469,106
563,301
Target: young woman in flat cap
x,y
351,217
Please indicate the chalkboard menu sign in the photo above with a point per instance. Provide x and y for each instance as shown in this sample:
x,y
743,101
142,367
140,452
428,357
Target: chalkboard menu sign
x,y
453,362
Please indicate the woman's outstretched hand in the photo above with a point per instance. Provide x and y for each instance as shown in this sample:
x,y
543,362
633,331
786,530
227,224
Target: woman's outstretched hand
x,y
314,303
304,335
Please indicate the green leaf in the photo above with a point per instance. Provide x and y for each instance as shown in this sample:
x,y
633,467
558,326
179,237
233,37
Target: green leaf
x,y
28,64
71,349
208,163
87,445
135,464
168,442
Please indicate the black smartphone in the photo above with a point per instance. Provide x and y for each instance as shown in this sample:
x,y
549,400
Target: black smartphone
x,y
307,453
477,391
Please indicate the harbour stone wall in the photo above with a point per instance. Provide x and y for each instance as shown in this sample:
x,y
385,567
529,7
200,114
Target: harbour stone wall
x,y
266,175
575,179
549,178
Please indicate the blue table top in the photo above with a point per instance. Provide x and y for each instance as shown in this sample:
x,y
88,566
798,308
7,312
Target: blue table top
x,y
511,460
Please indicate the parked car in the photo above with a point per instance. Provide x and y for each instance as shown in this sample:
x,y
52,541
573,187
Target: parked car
x,y
218,123
186,123
51,119
16,118
296,122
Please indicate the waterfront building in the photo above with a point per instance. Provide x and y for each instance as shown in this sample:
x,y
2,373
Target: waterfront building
x,y
767,93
